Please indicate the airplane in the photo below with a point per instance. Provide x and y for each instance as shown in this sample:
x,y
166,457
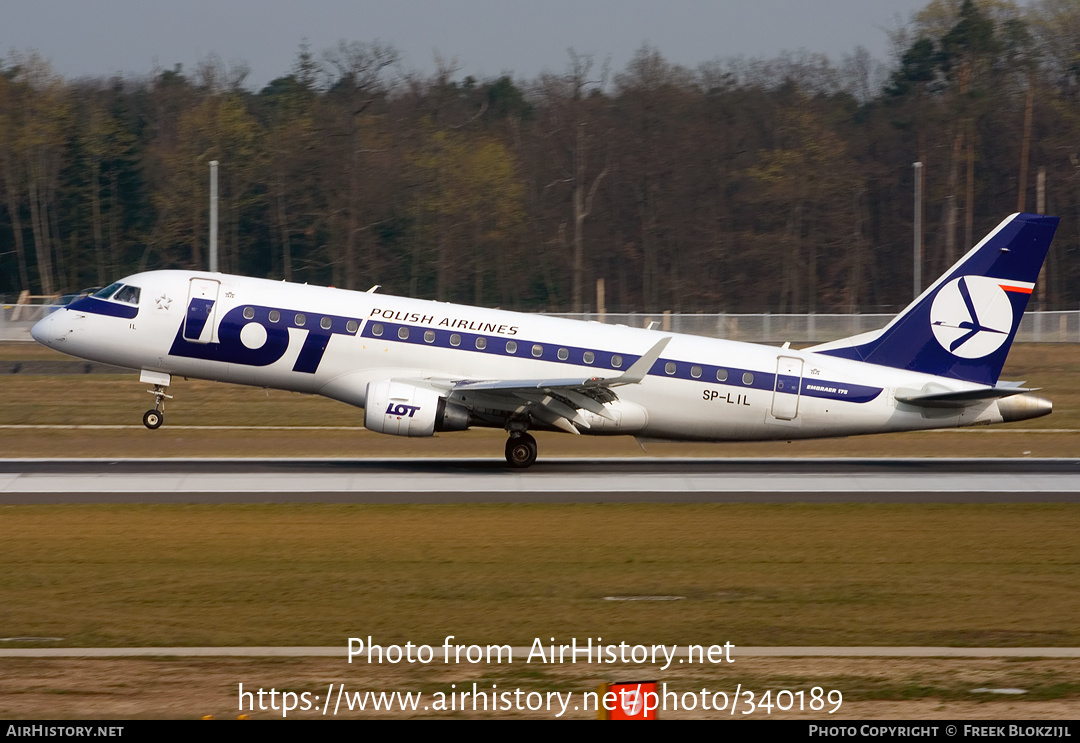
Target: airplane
x,y
420,367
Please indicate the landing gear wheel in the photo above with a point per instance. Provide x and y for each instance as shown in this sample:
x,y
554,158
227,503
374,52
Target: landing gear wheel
x,y
154,417
521,451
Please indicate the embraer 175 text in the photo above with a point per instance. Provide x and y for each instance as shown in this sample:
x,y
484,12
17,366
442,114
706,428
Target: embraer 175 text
x,y
418,367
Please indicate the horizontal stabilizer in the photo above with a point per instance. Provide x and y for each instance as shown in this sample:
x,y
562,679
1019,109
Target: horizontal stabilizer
x,y
951,399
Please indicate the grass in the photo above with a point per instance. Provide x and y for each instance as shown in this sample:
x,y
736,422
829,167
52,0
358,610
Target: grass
x,y
999,575
179,688
120,400
752,574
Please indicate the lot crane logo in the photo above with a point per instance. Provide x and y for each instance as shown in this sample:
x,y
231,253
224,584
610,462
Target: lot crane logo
x,y
972,316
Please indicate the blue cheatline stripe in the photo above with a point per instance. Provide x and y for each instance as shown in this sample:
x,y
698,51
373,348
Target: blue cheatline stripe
x,y
198,312
96,306
229,347
604,360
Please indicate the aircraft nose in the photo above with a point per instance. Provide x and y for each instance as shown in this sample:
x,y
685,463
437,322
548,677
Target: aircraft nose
x,y
45,329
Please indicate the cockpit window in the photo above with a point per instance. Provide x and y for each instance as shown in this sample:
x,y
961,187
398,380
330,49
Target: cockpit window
x,y
128,294
107,291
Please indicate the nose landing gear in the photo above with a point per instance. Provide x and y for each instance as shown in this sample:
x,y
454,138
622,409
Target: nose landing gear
x,y
520,450
153,419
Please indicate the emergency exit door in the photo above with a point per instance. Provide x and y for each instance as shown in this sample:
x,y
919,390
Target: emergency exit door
x,y
199,321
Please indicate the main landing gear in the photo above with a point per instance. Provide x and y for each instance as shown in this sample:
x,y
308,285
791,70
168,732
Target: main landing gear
x,y
153,419
520,450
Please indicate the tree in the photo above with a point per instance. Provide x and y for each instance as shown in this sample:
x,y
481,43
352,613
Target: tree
x,y
12,168
359,70
809,193
39,139
219,128
105,141
571,100
469,203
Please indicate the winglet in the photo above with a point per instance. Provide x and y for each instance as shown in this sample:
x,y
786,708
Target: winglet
x,y
641,367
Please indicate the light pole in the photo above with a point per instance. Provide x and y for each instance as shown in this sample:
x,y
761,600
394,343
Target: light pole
x,y
917,248
213,215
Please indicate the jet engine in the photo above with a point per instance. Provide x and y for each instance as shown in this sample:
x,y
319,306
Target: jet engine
x,y
406,409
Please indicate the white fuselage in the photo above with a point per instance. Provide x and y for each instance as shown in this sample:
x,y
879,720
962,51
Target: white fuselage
x,y
334,343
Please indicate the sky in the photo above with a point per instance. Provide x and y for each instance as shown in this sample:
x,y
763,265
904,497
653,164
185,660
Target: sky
x,y
482,38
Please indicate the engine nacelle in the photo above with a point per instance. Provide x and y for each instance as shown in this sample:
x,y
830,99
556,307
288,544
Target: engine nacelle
x,y
404,409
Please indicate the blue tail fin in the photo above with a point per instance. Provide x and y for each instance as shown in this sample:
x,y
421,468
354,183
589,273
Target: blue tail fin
x,y
964,324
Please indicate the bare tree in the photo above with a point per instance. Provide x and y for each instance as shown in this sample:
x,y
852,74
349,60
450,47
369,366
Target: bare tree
x,y
358,71
572,117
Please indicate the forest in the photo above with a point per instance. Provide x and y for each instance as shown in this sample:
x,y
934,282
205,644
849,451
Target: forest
x,y
743,185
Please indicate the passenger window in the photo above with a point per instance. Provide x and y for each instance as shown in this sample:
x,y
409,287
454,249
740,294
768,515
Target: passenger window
x,y
563,354
403,333
429,336
455,340
128,294
616,361
299,320
249,313
325,323
747,378
537,350
511,347
721,375
351,326
588,357
669,367
376,330
274,315
695,372
481,343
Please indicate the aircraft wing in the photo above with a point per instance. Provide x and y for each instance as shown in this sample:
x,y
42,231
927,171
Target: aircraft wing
x,y
558,401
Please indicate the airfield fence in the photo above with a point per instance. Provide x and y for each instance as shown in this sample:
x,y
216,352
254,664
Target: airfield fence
x,y
1036,327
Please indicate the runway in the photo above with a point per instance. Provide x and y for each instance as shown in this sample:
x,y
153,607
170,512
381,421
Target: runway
x,y
445,481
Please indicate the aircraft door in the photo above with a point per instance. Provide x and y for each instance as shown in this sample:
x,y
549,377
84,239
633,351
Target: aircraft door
x,y
787,387
199,325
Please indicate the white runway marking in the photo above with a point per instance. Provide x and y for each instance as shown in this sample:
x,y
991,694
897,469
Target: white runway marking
x,y
96,427
91,427
638,479
737,652
531,482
